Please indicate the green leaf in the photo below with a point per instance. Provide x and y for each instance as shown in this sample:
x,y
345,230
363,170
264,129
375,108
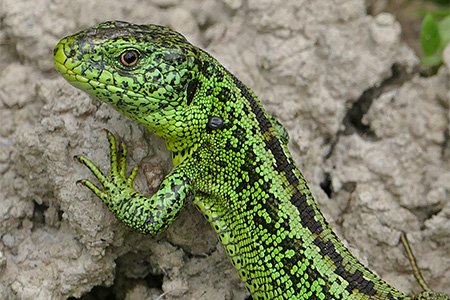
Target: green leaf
x,y
429,35
440,2
431,60
444,31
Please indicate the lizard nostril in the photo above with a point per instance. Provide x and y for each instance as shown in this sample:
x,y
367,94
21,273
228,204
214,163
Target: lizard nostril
x,y
72,53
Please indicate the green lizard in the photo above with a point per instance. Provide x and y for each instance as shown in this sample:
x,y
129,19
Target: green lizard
x,y
230,159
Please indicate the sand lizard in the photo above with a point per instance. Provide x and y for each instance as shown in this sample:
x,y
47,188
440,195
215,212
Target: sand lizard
x,y
230,159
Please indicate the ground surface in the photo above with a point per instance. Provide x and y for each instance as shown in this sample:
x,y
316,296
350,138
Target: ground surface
x,y
370,134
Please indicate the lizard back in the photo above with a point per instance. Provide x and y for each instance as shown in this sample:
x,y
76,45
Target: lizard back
x,y
263,211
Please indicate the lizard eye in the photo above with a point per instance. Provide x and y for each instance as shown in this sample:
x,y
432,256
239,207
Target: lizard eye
x,y
129,58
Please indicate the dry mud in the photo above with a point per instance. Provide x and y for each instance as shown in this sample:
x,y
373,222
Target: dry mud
x,y
370,134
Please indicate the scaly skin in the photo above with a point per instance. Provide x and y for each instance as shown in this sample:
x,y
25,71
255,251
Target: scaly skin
x,y
230,157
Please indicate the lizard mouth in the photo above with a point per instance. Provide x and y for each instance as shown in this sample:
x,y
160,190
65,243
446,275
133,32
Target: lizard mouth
x,y
91,85
68,73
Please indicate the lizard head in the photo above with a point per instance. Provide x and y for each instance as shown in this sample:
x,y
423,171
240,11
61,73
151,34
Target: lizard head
x,y
145,71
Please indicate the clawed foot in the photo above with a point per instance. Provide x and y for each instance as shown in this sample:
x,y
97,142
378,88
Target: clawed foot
x,y
117,179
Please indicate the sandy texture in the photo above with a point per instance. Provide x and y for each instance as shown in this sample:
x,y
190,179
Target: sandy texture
x,y
370,134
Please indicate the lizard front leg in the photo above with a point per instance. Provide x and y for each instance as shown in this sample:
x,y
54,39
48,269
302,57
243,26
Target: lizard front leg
x,y
147,215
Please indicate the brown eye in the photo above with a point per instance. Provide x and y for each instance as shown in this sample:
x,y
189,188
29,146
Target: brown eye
x,y
129,58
